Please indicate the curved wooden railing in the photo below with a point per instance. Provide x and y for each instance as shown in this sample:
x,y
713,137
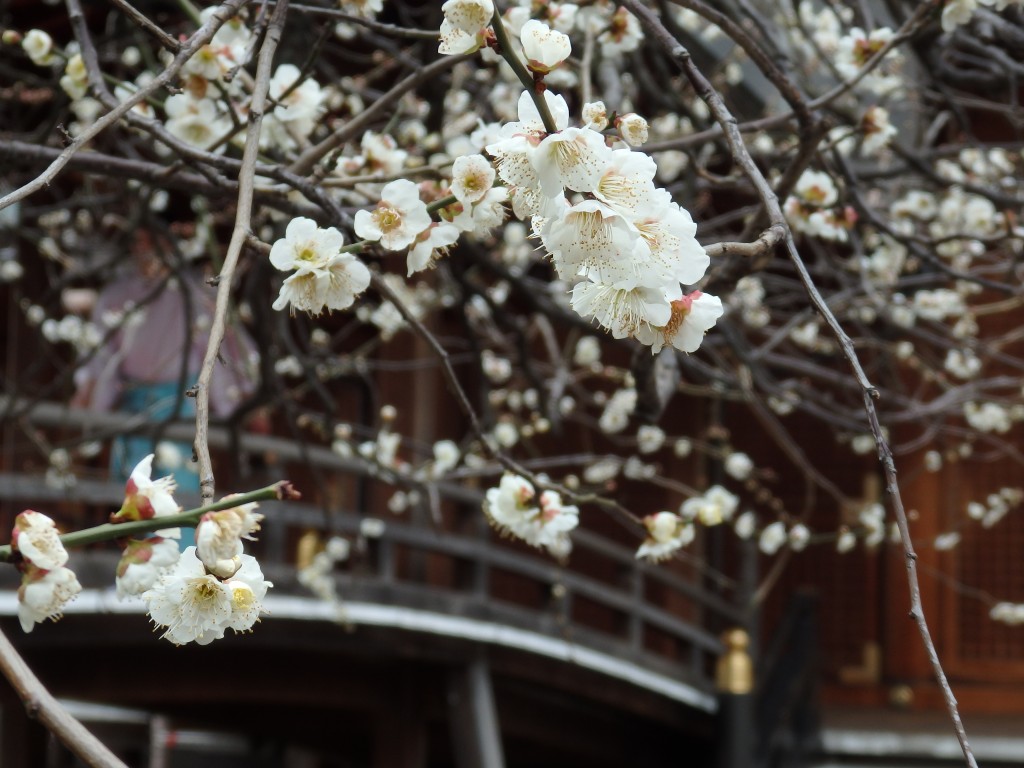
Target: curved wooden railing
x,y
668,636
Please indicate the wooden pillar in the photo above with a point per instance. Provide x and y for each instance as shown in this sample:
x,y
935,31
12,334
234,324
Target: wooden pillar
x,y
400,733
473,716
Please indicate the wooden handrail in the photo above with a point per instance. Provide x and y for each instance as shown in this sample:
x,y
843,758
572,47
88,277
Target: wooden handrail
x,y
482,551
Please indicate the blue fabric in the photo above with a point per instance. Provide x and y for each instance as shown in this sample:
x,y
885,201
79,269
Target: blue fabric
x,y
157,402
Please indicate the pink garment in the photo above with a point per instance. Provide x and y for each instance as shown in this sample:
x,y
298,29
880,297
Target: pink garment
x,y
148,343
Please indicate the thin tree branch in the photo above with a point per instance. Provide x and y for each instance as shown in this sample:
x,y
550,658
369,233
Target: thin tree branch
x,y
742,157
243,216
41,705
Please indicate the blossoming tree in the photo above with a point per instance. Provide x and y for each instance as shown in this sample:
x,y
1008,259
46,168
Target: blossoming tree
x,y
582,214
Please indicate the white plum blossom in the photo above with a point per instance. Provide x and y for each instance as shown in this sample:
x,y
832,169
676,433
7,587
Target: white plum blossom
x,y
324,278
595,115
617,411
692,316
195,606
846,541
464,26
514,508
622,311
587,352
39,47
715,506
297,103
988,417
75,80
224,52
739,465
446,458
219,537
955,13
196,122
592,239
248,589
816,188
572,157
877,129
482,216
745,525
855,49
962,363
649,438
44,593
622,35
36,537
429,244
545,48
872,518
666,533
145,498
1007,613
772,538
472,177
142,563
305,243
799,536
398,218
633,129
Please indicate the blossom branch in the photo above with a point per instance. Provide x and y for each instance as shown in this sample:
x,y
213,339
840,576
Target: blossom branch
x,y
280,491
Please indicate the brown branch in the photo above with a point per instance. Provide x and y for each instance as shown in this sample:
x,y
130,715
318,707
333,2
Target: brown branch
x,y
742,157
243,216
201,37
143,21
41,705
355,126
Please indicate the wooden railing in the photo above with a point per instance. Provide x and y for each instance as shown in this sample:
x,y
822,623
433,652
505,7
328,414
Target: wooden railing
x,y
651,616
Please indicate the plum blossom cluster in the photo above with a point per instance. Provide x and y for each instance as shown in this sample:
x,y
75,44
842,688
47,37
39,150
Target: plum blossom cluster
x,y
541,520
211,587
47,584
322,277
629,250
191,604
194,595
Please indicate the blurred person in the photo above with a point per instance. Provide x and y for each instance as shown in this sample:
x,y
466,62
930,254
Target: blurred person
x,y
156,329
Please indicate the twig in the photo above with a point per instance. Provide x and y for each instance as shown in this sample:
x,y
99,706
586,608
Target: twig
x,y
202,36
281,490
740,154
41,705
143,21
239,234
354,127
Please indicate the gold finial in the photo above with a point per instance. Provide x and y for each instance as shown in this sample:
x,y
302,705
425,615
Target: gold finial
x,y
734,672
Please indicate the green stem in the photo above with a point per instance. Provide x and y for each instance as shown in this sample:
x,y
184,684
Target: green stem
x,y
356,247
191,11
110,531
505,51
444,202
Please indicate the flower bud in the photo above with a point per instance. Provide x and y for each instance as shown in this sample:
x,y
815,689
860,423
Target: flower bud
x,y
632,129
